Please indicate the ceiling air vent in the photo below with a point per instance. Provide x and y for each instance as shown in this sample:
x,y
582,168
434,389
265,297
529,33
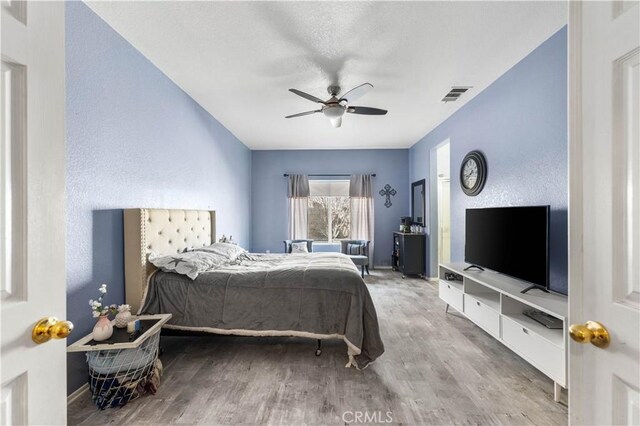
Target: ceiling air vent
x,y
455,93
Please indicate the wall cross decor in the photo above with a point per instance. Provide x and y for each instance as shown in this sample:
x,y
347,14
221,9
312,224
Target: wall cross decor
x,y
388,191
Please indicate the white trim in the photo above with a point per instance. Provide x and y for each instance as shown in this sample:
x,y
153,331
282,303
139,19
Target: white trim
x,y
78,393
574,373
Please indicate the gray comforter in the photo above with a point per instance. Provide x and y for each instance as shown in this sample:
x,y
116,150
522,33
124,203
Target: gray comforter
x,y
313,295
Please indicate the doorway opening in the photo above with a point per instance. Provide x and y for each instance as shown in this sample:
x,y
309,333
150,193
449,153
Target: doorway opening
x,y
441,204
443,230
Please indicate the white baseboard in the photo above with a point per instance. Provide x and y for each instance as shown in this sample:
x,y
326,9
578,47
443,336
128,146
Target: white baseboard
x,y
78,393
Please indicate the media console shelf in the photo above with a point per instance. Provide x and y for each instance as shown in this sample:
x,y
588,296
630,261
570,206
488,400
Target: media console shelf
x,y
494,303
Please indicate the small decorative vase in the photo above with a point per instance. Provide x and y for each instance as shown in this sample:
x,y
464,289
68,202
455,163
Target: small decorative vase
x,y
103,329
122,318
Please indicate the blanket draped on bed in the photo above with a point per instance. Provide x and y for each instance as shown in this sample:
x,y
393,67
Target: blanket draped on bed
x,y
316,295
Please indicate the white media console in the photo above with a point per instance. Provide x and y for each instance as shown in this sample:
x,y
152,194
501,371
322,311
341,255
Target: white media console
x,y
494,303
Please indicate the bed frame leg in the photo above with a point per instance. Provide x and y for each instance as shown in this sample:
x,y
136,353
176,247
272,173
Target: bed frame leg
x,y
319,348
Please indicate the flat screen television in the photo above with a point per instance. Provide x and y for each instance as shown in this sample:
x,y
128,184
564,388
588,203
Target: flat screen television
x,y
510,240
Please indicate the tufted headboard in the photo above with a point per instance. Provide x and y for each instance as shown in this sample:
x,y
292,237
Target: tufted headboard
x,y
162,232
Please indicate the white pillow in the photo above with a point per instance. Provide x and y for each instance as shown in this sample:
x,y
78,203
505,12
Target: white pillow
x,y
226,250
299,248
189,263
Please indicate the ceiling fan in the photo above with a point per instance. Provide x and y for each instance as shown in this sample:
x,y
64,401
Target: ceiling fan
x,y
334,108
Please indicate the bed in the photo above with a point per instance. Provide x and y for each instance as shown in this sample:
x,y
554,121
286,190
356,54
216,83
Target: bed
x,y
315,295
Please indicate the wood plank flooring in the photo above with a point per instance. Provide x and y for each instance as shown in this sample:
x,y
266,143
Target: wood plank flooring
x,y
438,369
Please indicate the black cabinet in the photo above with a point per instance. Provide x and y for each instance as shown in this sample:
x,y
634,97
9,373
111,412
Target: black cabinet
x,y
409,253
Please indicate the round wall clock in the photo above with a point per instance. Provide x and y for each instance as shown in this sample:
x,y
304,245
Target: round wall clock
x,y
473,173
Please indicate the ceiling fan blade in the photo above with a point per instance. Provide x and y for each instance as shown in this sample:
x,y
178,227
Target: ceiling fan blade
x,y
300,114
336,122
307,96
356,92
366,110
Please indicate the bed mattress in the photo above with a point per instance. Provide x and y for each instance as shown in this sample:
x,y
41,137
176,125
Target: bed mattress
x,y
319,295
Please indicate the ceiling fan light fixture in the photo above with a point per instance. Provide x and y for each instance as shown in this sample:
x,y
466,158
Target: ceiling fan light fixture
x,y
334,108
333,111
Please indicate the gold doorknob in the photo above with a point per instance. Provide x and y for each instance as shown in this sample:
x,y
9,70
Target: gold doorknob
x,y
50,328
590,332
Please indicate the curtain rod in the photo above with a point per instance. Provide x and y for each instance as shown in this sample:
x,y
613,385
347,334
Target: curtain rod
x,y
323,174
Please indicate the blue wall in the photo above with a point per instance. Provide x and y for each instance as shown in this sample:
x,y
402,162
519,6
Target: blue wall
x,y
520,124
134,139
269,191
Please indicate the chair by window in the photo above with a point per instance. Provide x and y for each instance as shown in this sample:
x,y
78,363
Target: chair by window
x,y
358,251
287,245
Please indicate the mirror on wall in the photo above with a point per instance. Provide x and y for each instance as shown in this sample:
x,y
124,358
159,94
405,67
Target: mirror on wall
x,y
418,202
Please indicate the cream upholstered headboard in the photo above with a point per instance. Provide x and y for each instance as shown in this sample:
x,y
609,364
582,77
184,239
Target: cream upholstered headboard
x,y
162,232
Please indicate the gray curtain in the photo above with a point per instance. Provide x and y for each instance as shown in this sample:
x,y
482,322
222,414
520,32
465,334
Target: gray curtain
x,y
297,194
362,214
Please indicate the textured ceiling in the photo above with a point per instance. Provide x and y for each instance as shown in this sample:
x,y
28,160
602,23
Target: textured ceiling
x,y
238,59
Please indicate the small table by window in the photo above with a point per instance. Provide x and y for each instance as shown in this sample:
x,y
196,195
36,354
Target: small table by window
x,y
119,365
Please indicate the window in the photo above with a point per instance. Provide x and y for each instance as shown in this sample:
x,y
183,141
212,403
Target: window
x,y
329,215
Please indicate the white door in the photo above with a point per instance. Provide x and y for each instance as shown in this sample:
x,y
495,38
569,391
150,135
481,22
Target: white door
x,y
32,211
604,189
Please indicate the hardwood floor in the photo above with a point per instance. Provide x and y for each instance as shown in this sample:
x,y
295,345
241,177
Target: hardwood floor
x,y
438,369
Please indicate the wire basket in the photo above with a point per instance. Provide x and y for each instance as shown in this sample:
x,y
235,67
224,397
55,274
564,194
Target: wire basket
x,y
118,376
